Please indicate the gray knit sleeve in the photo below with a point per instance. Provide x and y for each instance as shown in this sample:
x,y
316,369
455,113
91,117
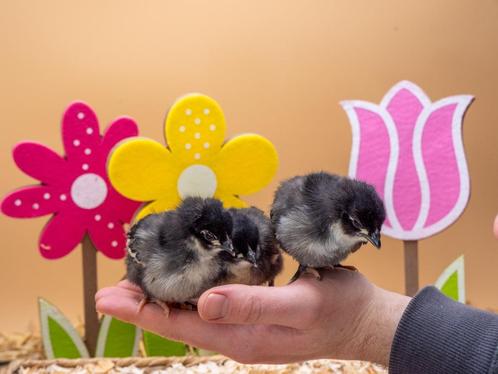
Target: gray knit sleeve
x,y
438,335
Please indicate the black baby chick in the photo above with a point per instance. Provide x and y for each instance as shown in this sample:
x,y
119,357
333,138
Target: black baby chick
x,y
319,219
253,240
176,255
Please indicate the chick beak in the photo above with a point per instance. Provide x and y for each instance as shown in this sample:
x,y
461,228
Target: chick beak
x,y
251,256
374,238
228,247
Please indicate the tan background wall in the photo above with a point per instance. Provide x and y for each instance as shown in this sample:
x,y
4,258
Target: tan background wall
x,y
278,68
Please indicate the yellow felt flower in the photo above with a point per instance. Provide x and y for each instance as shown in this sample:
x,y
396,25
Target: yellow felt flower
x,y
196,161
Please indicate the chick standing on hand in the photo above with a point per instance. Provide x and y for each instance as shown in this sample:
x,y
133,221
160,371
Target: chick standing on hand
x,y
320,218
253,240
176,255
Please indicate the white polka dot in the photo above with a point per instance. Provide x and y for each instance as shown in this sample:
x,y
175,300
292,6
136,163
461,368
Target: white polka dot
x,y
197,156
197,121
197,135
212,127
80,115
207,145
114,243
182,128
85,166
206,111
63,197
18,202
188,146
110,225
188,112
36,206
76,143
89,131
88,151
98,217
46,196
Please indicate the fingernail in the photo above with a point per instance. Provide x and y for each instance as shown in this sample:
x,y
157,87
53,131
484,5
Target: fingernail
x,y
216,306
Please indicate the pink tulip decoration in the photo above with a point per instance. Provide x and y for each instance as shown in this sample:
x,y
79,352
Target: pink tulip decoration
x,y
410,149
76,190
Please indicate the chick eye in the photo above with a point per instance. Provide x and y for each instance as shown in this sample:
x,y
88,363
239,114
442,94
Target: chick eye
x,y
208,235
355,222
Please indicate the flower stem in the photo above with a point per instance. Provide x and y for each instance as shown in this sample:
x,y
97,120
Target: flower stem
x,y
89,290
411,266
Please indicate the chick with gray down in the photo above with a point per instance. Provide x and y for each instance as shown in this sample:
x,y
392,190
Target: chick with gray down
x,y
320,219
253,239
176,255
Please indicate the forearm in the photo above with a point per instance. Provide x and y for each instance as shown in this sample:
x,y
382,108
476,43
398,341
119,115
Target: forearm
x,y
438,335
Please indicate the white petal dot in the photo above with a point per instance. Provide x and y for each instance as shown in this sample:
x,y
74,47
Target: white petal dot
x,y
207,145
114,243
98,217
188,146
206,111
76,142
80,115
46,196
36,206
89,131
197,156
63,197
110,225
212,127
18,202
197,135
85,166
197,121
188,112
88,151
182,128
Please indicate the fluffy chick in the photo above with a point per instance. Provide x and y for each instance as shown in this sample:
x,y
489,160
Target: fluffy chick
x,y
176,255
321,218
253,241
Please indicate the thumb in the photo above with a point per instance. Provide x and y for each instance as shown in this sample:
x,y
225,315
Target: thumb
x,y
290,305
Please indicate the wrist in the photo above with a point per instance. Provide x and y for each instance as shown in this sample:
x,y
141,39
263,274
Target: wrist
x,y
378,325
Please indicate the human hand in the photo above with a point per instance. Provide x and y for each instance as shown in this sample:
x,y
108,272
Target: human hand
x,y
495,227
343,316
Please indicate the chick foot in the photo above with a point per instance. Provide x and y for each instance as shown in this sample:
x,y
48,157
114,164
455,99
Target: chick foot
x,y
164,306
345,267
305,269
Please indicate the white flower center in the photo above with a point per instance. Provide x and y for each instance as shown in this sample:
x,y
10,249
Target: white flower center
x,y
197,180
88,191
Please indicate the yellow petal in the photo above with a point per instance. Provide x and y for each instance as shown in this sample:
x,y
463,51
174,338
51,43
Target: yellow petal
x,y
245,164
158,206
143,170
195,129
230,201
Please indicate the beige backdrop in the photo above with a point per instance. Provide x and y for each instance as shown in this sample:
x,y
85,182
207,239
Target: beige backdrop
x,y
278,68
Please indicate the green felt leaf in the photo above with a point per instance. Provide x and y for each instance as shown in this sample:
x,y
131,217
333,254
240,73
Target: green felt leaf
x,y
60,338
117,338
156,345
452,281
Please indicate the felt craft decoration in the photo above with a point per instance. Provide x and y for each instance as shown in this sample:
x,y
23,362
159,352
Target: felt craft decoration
x,y
195,162
117,338
451,282
60,338
75,189
410,149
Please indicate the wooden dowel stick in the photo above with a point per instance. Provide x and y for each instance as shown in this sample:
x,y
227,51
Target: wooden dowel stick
x,y
411,266
89,290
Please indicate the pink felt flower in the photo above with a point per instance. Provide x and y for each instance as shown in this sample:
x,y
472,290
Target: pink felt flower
x,y
411,150
75,188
